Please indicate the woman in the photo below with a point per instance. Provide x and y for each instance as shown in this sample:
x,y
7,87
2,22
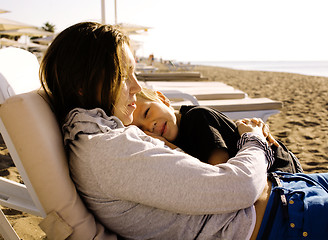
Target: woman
x,y
134,184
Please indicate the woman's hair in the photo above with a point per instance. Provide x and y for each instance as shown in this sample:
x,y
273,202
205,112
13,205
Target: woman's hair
x,y
83,60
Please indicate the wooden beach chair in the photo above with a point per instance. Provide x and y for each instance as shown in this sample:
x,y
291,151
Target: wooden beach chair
x,y
33,138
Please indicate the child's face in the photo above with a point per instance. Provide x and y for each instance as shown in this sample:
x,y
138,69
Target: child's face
x,y
156,117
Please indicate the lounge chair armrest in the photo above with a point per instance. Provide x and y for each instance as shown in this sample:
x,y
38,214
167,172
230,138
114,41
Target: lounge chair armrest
x,y
176,94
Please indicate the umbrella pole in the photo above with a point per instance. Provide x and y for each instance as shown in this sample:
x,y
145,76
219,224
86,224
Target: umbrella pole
x,y
115,13
103,18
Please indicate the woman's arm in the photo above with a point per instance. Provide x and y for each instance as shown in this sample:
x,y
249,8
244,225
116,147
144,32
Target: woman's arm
x,y
142,171
174,181
218,155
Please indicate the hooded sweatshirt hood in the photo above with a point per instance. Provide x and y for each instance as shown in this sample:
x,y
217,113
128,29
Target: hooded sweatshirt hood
x,y
82,121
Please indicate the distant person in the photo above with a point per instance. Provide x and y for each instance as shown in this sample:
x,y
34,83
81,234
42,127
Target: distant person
x,y
141,189
151,59
202,132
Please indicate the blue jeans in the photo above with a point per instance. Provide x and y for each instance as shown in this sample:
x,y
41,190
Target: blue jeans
x,y
298,208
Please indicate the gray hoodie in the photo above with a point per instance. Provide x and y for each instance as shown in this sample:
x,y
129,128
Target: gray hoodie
x,y
141,189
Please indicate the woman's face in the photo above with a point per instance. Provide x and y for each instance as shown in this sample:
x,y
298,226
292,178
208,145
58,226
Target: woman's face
x,y
126,101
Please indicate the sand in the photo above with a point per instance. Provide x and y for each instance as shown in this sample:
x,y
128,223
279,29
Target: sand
x,y
302,125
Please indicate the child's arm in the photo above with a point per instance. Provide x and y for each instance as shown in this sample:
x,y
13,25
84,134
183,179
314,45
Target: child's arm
x,y
218,156
222,156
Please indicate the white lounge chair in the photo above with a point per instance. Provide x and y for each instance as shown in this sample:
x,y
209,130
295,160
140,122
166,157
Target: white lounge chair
x,y
170,76
22,68
237,108
232,102
141,67
233,108
175,66
34,140
205,90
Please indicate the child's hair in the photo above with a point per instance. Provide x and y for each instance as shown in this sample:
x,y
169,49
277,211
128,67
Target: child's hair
x,y
147,94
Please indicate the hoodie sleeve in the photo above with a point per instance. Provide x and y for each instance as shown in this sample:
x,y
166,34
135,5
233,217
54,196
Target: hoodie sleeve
x,y
128,165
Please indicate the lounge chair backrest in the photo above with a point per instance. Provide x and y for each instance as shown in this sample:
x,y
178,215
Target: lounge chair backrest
x,y
19,71
37,149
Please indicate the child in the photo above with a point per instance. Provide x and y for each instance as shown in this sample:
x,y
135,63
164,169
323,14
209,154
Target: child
x,y
202,132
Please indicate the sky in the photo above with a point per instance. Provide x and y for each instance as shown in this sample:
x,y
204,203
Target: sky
x,y
199,30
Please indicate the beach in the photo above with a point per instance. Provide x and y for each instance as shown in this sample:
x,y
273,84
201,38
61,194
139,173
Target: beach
x,y
302,124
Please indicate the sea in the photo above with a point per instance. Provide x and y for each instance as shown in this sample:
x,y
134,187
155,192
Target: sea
x,y
313,68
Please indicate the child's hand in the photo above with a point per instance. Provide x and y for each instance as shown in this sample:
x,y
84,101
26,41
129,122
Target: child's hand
x,y
268,136
250,125
265,129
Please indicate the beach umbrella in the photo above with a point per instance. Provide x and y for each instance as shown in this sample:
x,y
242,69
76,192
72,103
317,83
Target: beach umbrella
x,y
44,40
8,42
36,46
3,11
129,28
7,24
12,43
32,32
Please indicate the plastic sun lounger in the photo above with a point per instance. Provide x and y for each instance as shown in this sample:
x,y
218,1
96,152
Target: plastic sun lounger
x,y
145,68
187,84
20,65
233,108
33,138
174,66
200,90
234,103
170,76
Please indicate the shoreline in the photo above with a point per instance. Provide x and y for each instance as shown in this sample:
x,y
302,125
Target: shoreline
x,y
309,68
302,124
